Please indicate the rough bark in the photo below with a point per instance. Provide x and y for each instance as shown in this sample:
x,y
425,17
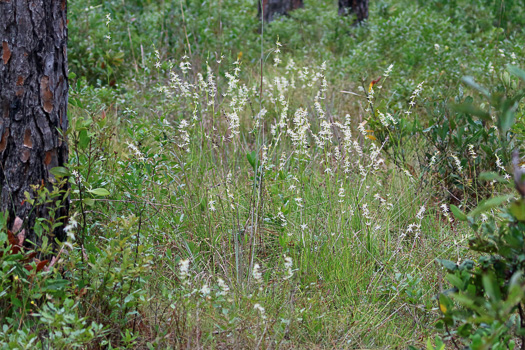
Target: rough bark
x,y
273,8
33,105
357,7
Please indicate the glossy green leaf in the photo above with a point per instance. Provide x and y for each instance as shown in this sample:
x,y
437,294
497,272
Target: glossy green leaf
x,y
458,214
88,201
99,192
83,139
60,171
489,204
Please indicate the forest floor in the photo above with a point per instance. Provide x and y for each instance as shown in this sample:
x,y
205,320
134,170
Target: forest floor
x,y
244,187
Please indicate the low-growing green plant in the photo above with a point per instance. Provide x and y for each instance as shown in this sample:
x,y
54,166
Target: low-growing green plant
x,y
90,288
38,304
484,309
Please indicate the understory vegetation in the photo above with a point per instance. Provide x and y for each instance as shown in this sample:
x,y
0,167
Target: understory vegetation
x,y
302,184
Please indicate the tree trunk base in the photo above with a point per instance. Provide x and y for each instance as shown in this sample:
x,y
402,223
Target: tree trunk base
x,y
354,7
273,8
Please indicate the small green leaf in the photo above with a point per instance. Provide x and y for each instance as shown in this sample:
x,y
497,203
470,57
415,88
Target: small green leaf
x,y
15,301
458,213
492,176
517,209
88,201
516,72
449,265
251,159
507,119
455,281
445,304
59,171
489,204
464,300
83,139
477,342
56,284
470,82
429,345
467,264
99,192
468,108
491,287
439,344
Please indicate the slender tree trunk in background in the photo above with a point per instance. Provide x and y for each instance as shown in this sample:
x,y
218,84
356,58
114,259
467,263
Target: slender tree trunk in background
x,y
357,7
277,7
33,105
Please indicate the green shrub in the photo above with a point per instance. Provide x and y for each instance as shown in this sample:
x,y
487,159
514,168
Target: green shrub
x,y
89,289
484,309
39,307
466,140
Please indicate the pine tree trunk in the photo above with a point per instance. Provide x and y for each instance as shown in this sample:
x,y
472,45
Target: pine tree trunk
x,y
272,8
357,7
33,105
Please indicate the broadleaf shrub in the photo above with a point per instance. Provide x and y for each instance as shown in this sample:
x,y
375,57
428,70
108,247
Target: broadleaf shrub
x,y
484,309
466,140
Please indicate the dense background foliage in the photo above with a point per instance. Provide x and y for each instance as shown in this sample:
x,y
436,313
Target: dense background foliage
x,y
219,203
